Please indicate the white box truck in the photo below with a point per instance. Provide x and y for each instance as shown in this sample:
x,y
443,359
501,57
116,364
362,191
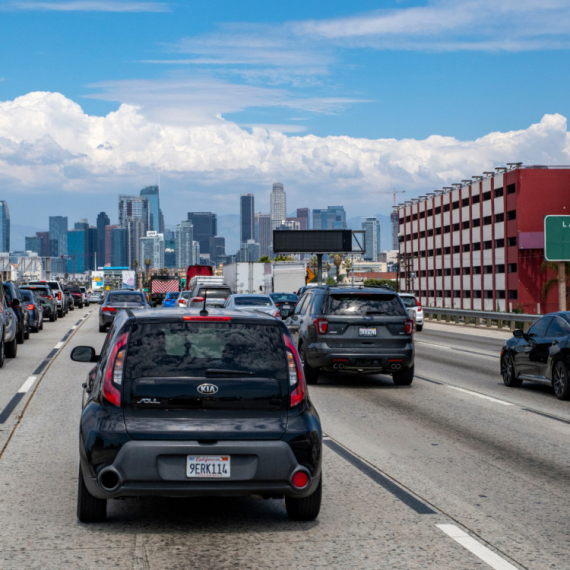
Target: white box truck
x,y
288,276
246,277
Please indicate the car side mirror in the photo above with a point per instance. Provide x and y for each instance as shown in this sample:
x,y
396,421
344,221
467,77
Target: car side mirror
x,y
518,333
84,354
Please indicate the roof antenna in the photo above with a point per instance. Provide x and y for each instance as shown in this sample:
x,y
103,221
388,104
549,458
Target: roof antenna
x,y
204,311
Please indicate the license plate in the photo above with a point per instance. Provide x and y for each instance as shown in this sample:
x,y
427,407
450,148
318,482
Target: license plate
x,y
208,466
371,331
286,306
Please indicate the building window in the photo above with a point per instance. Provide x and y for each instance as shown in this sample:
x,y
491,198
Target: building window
x,y
476,222
440,293
488,269
415,217
457,271
486,196
437,231
477,246
465,202
488,244
430,233
500,294
448,293
499,243
512,241
512,267
430,272
466,294
408,218
438,210
430,212
422,273
499,218
438,251
456,249
430,252
465,225
456,227
402,220
415,236
422,215
447,271
477,270
488,294
487,220
438,272
476,294
498,192
400,239
457,294
466,247
456,205
513,295
512,215
446,207
446,229
476,199
467,271
499,268
511,189
422,234
447,250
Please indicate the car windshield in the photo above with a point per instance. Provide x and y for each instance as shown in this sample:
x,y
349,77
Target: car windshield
x,y
365,304
125,298
189,349
217,293
258,301
284,297
409,301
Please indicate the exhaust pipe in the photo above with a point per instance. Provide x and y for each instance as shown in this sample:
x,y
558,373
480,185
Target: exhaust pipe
x,y
109,479
340,366
395,366
335,366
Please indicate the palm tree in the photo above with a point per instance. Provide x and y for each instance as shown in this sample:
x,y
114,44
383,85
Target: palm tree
x,y
135,264
337,261
313,262
546,266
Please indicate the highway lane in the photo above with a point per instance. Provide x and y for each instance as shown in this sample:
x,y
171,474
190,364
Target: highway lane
x,y
407,471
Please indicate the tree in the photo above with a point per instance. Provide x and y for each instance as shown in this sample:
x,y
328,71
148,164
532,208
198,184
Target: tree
x,y
264,259
546,266
337,261
147,264
163,271
382,283
135,264
313,263
282,257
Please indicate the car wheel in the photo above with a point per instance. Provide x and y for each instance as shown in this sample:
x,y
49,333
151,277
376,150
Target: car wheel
x,y
311,374
560,381
20,336
35,329
2,351
403,377
60,313
307,508
419,328
508,372
89,508
27,333
11,349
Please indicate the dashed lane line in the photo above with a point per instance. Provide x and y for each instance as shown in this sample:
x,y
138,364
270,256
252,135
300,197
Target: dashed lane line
x,y
455,349
476,394
27,384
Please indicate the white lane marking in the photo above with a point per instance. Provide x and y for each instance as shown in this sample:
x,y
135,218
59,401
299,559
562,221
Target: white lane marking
x,y
58,345
433,344
73,327
482,552
27,384
480,395
474,352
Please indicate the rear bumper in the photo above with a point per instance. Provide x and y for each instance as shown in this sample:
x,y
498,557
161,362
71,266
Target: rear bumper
x,y
159,468
106,318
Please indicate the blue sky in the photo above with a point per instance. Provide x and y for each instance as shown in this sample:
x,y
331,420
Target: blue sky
x,y
331,98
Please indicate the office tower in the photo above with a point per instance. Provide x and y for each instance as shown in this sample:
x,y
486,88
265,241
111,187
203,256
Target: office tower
x,y
195,253
331,218
90,248
102,221
246,225
291,224
170,258
44,243
4,226
119,246
263,235
57,235
278,205
81,225
249,251
205,227
152,247
76,251
107,259
134,207
33,244
371,227
151,193
304,214
217,248
184,239
135,230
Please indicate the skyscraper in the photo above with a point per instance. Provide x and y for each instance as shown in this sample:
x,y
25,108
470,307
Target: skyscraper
x,y
57,235
4,227
135,231
33,244
44,243
108,246
151,193
76,251
217,248
205,227
119,246
331,218
371,227
102,221
304,213
184,239
278,205
152,247
263,235
134,207
246,218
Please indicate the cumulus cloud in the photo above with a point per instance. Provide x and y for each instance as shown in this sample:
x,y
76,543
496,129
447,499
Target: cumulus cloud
x,y
46,140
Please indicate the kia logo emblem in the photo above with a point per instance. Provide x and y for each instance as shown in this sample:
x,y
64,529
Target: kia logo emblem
x,y
207,389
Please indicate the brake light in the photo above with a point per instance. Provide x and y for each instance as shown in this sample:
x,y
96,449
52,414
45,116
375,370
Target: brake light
x,y
31,307
419,306
50,297
182,301
198,300
276,313
207,319
109,309
296,375
322,326
113,375
59,296
409,326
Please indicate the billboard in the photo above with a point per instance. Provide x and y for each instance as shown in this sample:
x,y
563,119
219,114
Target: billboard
x,y
312,241
97,280
128,279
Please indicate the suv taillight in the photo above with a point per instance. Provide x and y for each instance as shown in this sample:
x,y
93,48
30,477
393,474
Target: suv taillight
x,y
322,325
297,381
113,375
419,306
409,326
59,296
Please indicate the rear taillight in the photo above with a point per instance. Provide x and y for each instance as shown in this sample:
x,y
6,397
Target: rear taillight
x,y
59,296
50,298
419,306
109,309
182,301
409,326
31,307
198,300
322,326
113,375
296,376
276,313
207,319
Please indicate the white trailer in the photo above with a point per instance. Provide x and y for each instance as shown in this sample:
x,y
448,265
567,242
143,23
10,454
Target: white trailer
x,y
288,276
246,277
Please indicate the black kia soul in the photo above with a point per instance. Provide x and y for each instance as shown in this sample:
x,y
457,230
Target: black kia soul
x,y
183,404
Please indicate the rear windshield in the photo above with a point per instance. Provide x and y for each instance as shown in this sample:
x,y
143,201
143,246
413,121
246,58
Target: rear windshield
x,y
125,298
43,291
219,293
365,304
53,284
409,301
253,301
189,349
27,295
281,297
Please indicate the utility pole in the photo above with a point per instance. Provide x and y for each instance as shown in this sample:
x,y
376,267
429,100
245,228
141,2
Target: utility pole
x,y
561,286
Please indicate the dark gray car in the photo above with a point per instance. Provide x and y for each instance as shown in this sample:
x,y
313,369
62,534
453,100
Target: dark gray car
x,y
115,301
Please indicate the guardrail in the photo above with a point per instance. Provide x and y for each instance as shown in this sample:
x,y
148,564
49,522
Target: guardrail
x,y
481,318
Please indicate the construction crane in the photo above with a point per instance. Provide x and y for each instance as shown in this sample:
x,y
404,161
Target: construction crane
x,y
393,215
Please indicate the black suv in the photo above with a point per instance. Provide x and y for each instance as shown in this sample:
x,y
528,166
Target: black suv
x,y
363,329
15,300
186,403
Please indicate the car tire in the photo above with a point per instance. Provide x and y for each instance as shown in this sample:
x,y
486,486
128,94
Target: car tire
x,y
11,348
419,328
311,374
2,350
52,317
27,333
35,329
508,372
102,328
60,313
561,381
307,508
89,508
20,336
403,377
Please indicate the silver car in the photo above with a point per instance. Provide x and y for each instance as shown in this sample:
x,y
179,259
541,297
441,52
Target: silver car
x,y
253,302
116,301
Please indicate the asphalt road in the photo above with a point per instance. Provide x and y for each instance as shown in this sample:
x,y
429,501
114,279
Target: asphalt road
x,y
456,471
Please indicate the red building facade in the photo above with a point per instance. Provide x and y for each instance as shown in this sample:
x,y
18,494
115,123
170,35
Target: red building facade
x,y
480,244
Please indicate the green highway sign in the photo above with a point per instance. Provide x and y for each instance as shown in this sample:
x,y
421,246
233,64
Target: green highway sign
x,y
557,238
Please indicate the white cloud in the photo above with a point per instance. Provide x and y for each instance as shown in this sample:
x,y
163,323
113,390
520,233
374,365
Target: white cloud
x,y
47,141
90,6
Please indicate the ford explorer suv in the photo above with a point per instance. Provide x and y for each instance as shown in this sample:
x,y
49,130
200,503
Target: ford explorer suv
x,y
186,403
358,329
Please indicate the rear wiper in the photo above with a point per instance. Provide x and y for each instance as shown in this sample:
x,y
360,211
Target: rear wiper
x,y
376,313
227,372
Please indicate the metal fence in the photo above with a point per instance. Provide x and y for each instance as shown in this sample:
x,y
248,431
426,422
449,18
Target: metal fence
x,y
481,318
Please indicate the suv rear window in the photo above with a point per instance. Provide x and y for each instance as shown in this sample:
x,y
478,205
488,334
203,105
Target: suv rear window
x,y
217,293
260,301
189,349
365,304
125,298
409,301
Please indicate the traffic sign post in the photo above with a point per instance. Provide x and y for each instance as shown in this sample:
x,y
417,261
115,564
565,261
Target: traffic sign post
x,y
557,248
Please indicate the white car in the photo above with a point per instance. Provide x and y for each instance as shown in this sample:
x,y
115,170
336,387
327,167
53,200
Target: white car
x,y
253,302
414,308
